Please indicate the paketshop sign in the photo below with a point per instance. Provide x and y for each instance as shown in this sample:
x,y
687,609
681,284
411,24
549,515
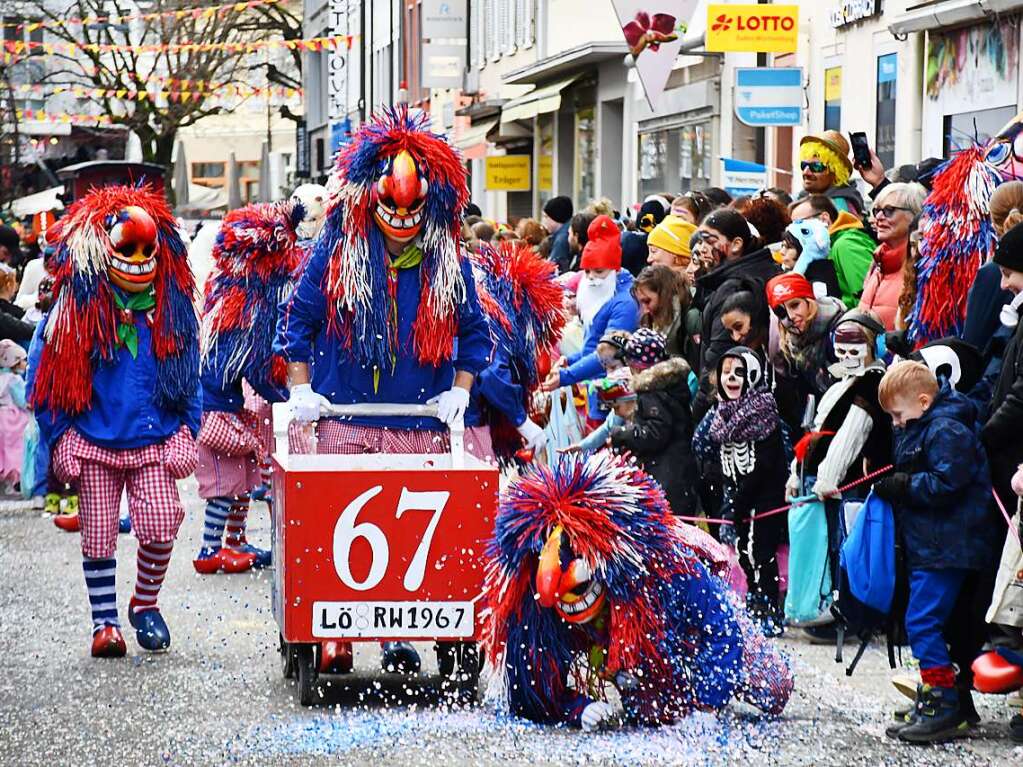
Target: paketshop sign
x,y
753,28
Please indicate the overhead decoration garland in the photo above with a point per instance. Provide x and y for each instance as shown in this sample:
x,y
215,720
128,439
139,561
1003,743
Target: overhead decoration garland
x,y
180,13
17,48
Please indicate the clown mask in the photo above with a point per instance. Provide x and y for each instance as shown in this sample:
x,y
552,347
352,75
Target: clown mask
x,y
733,377
400,196
1005,151
565,582
134,242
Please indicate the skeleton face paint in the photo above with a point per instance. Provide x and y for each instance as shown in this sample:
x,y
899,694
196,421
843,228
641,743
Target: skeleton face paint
x,y
733,377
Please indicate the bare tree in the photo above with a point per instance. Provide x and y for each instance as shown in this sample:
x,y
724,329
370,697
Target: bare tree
x,y
193,46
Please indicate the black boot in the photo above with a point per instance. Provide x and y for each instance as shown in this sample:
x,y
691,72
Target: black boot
x,y
901,722
937,717
966,708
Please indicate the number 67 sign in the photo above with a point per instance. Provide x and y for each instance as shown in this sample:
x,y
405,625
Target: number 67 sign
x,y
381,554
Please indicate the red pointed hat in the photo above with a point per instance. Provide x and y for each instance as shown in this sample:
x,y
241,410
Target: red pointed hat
x,y
603,248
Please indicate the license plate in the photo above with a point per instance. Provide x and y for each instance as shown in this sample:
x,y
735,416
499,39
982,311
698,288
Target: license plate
x,y
393,619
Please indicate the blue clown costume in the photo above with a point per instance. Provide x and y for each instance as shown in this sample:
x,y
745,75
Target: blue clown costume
x,y
256,255
591,581
116,392
386,309
522,303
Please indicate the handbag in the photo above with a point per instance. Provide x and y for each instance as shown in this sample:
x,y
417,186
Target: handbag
x,y
1007,598
563,427
809,581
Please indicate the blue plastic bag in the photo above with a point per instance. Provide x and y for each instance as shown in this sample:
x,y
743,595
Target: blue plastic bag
x,y
868,555
809,592
28,461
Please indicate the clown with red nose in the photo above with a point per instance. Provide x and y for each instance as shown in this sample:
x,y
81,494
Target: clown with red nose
x,y
386,309
116,394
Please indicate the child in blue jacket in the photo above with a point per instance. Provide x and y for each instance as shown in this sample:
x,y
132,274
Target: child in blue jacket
x,y
939,493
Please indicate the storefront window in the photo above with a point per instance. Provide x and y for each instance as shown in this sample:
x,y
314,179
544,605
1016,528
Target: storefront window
x,y
967,128
585,155
694,160
653,162
833,98
545,157
887,70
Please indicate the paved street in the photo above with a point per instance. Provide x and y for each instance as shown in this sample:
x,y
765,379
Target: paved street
x,y
218,698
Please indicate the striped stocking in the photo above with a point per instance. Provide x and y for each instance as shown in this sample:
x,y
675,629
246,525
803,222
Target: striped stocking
x,y
217,511
153,559
236,521
100,579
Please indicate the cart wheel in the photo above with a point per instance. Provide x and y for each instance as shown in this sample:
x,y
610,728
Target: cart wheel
x,y
446,657
305,662
287,652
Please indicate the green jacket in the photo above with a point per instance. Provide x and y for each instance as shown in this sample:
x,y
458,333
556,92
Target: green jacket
x,y
852,253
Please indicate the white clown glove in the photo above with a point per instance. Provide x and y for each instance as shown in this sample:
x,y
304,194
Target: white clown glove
x,y
305,403
599,716
533,435
451,404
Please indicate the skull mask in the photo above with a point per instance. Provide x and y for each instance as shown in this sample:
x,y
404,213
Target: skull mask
x,y
133,238
853,350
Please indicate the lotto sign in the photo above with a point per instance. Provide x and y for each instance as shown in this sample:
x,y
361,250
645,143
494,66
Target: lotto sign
x,y
367,553
753,28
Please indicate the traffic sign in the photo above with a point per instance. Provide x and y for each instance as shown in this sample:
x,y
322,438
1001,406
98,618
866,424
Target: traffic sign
x,y
769,96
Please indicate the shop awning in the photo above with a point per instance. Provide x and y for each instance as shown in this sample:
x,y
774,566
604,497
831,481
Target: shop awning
x,y
476,134
537,102
39,202
948,13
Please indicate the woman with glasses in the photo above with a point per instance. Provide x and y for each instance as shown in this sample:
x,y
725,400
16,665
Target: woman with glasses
x,y
893,212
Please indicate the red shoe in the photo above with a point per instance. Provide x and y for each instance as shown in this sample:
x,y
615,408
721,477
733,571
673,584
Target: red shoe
x,y
223,560
335,657
108,643
68,522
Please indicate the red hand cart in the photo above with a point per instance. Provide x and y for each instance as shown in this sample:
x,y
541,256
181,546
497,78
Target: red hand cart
x,y
379,547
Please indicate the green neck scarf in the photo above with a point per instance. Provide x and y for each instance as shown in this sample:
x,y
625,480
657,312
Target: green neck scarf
x,y
127,332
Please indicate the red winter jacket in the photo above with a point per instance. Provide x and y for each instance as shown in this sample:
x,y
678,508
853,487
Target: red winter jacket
x,y
883,285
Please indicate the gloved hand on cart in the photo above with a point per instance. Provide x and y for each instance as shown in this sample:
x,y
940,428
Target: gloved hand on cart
x,y
534,436
451,405
305,403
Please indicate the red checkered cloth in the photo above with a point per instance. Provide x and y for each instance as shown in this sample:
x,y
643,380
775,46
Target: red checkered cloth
x,y
336,437
153,503
230,434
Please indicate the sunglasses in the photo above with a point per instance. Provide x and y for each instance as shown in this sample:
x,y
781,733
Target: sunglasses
x,y
888,211
814,166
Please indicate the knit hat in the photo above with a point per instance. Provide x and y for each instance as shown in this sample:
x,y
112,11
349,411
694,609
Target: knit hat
x,y
645,346
1010,249
11,353
614,388
651,213
559,208
952,360
672,235
787,286
603,248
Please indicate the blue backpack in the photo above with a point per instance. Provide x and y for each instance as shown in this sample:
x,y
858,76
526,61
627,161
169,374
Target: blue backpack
x,y
868,555
871,582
